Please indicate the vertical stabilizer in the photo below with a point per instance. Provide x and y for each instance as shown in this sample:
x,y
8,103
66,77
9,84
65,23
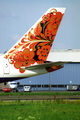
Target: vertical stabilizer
x,y
34,46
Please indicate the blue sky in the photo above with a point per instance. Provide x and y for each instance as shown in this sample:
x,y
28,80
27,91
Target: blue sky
x,y
17,16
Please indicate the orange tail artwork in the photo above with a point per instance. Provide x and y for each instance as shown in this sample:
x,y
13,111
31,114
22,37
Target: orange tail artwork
x,y
33,48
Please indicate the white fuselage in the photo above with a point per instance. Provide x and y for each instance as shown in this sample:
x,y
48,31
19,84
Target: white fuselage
x,y
12,85
9,73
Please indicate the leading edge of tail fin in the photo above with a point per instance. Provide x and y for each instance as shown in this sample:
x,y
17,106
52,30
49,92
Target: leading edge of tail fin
x,y
34,46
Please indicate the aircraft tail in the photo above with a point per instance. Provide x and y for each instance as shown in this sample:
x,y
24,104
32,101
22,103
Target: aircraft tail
x,y
34,46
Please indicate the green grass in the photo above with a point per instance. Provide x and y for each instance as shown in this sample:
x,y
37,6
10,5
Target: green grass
x,y
40,110
39,93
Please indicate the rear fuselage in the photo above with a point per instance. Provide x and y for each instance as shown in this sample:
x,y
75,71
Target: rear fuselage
x,y
9,73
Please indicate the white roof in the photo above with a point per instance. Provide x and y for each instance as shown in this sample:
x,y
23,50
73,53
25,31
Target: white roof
x,y
68,55
65,50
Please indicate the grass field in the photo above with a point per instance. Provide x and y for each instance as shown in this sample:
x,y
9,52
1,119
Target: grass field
x,y
40,110
39,93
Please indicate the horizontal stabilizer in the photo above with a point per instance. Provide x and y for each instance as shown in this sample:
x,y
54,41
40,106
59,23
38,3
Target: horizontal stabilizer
x,y
44,65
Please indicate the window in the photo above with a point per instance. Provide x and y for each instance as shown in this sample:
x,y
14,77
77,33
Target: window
x,y
53,85
46,86
60,85
38,85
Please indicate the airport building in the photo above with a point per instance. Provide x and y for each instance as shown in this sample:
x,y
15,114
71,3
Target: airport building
x,y
59,79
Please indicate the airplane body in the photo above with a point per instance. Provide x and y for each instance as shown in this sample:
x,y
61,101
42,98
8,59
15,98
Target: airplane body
x,y
28,57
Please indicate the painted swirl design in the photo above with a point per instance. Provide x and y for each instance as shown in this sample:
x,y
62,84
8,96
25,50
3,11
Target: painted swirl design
x,y
34,47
